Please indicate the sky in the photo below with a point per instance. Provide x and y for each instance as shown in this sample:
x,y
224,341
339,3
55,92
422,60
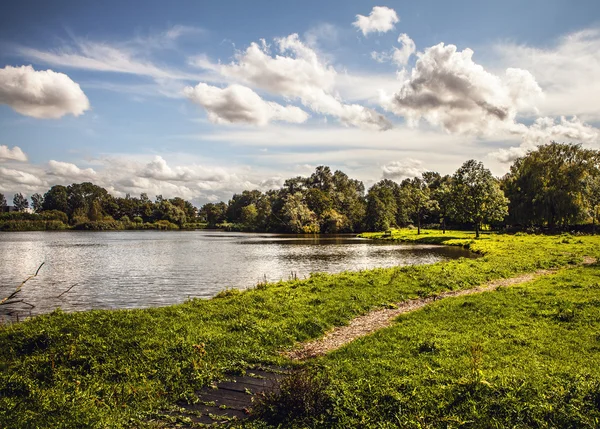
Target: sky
x,y
205,99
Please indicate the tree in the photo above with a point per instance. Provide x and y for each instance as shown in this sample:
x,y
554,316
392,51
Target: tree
x,y
382,205
444,201
477,195
37,201
213,213
2,201
418,200
249,216
297,215
56,199
548,186
20,202
593,199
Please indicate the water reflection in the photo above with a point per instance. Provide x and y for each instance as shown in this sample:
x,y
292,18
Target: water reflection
x,y
133,269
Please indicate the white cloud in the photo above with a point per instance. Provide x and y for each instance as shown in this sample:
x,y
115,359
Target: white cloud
x,y
398,56
239,104
381,19
298,73
407,49
70,171
448,89
400,170
104,57
17,179
41,94
567,71
545,130
14,154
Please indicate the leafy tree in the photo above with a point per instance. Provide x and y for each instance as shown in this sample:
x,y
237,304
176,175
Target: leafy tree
x,y
164,210
477,195
444,200
37,201
213,213
548,186
418,200
56,199
250,216
2,200
321,179
298,217
382,206
20,202
593,199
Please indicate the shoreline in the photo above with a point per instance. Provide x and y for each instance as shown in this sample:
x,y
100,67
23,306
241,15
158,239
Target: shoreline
x,y
155,350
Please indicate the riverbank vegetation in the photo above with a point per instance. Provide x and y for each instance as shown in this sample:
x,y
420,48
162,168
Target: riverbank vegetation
x,y
555,187
454,363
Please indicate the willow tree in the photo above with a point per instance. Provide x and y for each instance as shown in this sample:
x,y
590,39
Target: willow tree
x,y
477,196
549,186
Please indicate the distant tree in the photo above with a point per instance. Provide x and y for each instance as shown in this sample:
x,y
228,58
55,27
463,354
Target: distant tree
x,y
418,200
56,199
444,201
249,216
37,201
477,195
167,211
213,213
382,205
2,201
321,179
20,202
548,186
593,199
298,217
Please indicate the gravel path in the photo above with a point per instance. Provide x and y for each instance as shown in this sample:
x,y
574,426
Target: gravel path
x,y
378,319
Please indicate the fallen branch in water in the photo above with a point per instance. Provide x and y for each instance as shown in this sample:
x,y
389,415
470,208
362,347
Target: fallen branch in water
x,y
7,300
67,290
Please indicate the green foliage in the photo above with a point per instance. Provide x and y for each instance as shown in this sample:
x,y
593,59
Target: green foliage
x,y
480,196
20,202
548,186
2,200
121,368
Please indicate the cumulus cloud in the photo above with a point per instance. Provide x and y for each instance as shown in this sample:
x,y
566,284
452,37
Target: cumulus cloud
x,y
14,154
70,171
41,94
448,89
238,103
18,178
380,20
296,73
400,170
398,56
544,130
567,70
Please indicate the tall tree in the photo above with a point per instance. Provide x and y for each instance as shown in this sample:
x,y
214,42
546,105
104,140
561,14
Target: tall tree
x,y
2,201
20,202
477,195
548,186
418,200
382,206
37,201
56,199
443,197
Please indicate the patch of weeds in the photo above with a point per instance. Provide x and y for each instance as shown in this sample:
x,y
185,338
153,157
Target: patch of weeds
x,y
304,397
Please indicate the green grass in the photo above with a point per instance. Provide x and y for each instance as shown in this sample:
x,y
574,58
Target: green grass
x,y
121,368
523,356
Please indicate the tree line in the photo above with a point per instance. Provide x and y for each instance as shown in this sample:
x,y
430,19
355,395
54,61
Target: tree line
x,y
554,186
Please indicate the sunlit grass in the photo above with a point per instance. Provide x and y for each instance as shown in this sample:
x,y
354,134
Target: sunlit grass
x,y
119,368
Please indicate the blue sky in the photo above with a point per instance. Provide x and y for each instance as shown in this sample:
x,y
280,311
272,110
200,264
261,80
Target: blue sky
x,y
203,99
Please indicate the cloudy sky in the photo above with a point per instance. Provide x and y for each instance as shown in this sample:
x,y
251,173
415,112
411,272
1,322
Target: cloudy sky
x,y
202,99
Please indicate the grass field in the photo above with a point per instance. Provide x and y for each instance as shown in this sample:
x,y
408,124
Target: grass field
x,y
526,356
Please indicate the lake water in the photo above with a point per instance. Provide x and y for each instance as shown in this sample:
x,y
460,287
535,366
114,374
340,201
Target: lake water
x,y
137,269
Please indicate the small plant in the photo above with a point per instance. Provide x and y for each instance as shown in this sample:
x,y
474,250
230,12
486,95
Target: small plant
x,y
302,397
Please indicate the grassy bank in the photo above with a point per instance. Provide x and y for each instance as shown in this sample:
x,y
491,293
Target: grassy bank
x,y
119,368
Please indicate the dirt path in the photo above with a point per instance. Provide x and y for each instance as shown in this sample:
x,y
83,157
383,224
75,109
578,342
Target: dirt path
x,y
378,319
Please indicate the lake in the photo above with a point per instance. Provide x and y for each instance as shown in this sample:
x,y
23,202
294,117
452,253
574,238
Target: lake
x,y
138,269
